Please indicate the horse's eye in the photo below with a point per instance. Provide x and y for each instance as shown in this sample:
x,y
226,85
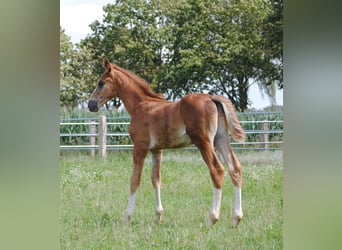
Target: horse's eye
x,y
101,83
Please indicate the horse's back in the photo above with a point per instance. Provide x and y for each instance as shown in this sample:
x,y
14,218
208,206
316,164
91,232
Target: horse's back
x,y
176,124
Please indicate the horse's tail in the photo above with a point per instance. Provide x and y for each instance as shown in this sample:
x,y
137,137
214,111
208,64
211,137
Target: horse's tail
x,y
232,121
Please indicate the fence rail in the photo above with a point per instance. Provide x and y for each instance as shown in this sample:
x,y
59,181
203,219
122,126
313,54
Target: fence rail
x,y
264,131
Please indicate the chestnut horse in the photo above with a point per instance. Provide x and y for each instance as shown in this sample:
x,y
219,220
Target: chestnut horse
x,y
202,119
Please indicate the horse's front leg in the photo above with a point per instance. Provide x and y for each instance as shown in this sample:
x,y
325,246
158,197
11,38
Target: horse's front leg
x,y
138,158
156,181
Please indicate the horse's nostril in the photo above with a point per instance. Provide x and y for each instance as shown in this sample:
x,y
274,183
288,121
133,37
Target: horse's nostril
x,y
92,106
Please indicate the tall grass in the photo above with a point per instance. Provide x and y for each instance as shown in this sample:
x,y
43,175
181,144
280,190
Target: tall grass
x,y
94,194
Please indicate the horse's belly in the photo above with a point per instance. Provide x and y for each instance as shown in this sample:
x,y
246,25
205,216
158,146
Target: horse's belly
x,y
180,142
170,139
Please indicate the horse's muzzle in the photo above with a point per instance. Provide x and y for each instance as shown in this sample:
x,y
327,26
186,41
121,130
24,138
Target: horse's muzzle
x,y
93,106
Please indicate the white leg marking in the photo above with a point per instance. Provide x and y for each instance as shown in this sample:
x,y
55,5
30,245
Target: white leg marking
x,y
159,207
130,206
215,209
237,214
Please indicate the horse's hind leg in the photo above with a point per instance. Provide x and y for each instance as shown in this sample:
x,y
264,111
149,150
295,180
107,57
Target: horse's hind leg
x,y
236,176
216,170
222,144
156,181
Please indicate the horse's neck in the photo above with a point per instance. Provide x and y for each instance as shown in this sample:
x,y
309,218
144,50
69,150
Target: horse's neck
x,y
130,96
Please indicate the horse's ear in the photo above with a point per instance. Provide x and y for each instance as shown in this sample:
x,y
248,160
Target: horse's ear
x,y
107,65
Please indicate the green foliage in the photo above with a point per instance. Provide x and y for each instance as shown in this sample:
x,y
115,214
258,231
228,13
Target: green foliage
x,y
218,48
273,35
76,72
184,46
131,35
67,94
94,196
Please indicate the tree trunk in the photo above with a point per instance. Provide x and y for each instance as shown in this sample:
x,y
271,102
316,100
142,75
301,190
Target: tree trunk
x,y
243,94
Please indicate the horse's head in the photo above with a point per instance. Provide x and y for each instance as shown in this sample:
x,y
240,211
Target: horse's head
x,y
105,89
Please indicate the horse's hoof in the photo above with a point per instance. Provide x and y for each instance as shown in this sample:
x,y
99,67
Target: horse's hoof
x,y
159,216
212,219
127,218
236,221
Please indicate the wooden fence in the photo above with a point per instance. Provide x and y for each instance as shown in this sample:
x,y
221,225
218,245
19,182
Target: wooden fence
x,y
264,131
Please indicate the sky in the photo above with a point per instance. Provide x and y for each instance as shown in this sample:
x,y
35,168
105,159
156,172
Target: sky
x,y
77,15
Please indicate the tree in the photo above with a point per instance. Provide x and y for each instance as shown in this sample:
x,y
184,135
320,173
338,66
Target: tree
x,y
76,72
273,35
67,93
132,35
219,48
184,46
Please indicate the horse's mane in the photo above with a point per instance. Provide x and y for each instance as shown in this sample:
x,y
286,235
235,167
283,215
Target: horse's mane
x,y
140,82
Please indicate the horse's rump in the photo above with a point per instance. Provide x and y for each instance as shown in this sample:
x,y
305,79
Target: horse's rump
x,y
225,106
196,108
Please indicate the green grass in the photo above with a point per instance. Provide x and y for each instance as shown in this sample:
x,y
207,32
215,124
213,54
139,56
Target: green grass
x,y
94,194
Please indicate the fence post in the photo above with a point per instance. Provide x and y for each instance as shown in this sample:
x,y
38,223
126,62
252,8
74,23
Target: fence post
x,y
265,134
102,136
92,130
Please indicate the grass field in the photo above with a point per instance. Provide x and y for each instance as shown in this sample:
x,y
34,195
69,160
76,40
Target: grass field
x,y
94,194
